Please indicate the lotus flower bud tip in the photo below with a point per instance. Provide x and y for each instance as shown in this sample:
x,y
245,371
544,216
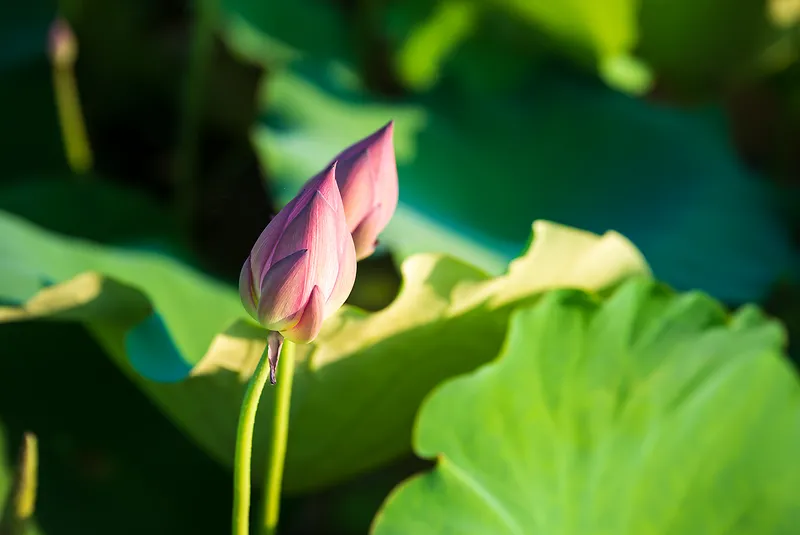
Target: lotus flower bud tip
x,y
367,176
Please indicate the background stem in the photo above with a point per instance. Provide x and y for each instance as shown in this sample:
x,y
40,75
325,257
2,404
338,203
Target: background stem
x,y
73,128
280,433
16,516
63,51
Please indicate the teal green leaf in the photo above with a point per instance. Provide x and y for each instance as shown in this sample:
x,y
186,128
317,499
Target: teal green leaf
x,y
316,28
357,387
647,413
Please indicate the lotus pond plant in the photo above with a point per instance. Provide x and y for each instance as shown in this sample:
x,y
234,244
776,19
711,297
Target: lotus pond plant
x,y
300,271
555,388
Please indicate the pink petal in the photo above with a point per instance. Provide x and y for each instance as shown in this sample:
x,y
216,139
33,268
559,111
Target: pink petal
x,y
319,182
365,236
314,229
386,185
261,255
246,290
305,330
329,188
346,275
356,180
281,295
367,176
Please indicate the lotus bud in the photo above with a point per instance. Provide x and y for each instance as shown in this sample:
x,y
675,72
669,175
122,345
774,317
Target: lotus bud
x,y
62,45
367,176
302,267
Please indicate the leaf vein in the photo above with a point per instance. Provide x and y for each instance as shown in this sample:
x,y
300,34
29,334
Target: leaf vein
x,y
481,491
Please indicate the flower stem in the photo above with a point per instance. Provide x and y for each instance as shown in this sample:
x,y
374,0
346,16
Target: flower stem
x,y
244,435
15,517
277,450
63,55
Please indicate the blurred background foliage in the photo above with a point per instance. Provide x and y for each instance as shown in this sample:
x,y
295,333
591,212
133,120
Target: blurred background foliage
x,y
673,122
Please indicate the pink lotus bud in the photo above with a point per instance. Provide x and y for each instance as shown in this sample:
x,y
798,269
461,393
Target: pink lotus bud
x,y
303,266
367,176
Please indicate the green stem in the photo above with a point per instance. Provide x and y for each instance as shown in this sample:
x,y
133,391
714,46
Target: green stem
x,y
277,450
73,128
244,443
15,517
63,49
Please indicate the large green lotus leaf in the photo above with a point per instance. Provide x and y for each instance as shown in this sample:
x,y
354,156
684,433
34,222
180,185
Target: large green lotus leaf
x,y
647,413
357,387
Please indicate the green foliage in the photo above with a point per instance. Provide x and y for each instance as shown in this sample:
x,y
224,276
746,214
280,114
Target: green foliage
x,y
608,29
592,33
606,32
316,28
506,111
431,42
693,46
705,44
646,413
474,171
357,387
